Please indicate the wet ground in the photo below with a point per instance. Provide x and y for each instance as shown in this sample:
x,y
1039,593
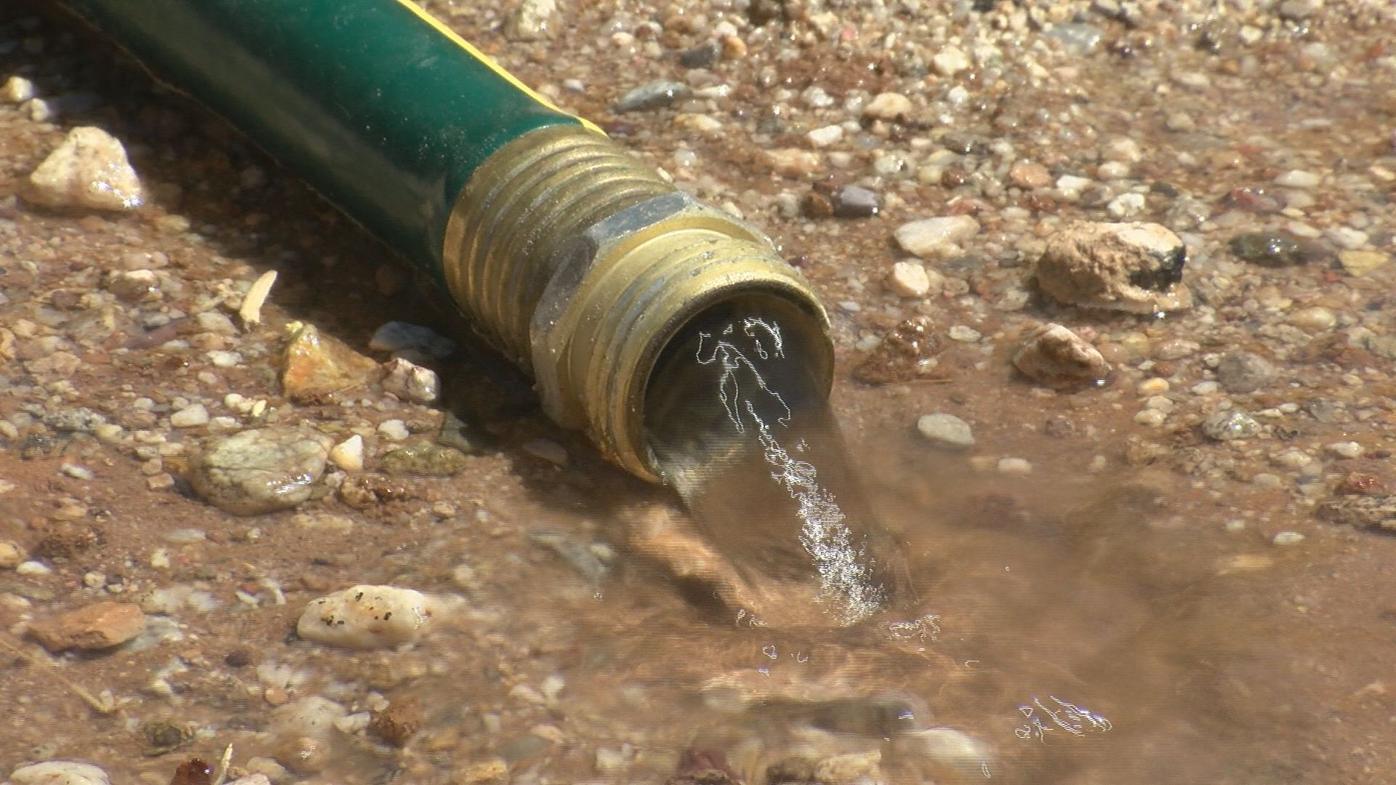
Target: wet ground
x,y
1105,591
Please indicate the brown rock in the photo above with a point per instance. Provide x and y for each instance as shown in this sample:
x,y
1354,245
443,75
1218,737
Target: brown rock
x,y
1058,357
397,723
904,355
1029,175
320,367
100,625
1133,267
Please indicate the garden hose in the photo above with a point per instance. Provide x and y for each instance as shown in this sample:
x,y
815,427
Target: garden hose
x,y
572,257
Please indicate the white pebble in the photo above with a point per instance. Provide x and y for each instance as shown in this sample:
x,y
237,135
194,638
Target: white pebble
x,y
190,416
394,429
1126,205
1151,418
1298,178
59,772
1316,318
950,61
16,90
946,430
224,359
366,617
964,333
411,382
823,137
909,279
936,236
1292,458
349,454
1346,449
251,309
1288,538
89,169
33,568
1014,466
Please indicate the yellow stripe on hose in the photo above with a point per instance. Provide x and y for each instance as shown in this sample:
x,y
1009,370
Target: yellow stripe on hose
x,y
491,64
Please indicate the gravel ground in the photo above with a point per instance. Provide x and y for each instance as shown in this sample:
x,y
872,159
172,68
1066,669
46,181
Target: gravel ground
x,y
1111,285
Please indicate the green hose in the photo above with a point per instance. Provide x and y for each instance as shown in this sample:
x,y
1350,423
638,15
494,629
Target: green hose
x,y
378,106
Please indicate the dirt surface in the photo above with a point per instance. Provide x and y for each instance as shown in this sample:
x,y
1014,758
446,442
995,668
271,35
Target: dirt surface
x,y
1180,572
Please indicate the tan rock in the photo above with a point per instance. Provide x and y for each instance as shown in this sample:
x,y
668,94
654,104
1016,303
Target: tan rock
x,y
793,162
100,625
1134,267
1058,357
89,169
888,106
1029,175
319,367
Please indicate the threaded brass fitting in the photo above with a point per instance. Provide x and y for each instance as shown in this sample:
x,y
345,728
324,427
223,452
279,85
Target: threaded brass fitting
x,y
581,264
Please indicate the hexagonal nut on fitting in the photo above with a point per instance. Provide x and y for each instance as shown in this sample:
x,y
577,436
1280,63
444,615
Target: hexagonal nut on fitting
x,y
560,310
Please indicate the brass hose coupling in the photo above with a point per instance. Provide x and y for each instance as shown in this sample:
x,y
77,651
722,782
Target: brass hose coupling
x,y
580,263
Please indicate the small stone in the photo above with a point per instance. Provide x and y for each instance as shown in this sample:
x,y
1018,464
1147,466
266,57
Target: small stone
x,y
1298,10
89,169
964,333
530,20
936,237
1276,249
852,201
1029,176
425,459
849,768
100,625
190,417
1349,450
1014,466
946,430
1314,319
348,454
1364,512
397,723
405,339
1298,178
1359,263
1126,205
366,617
700,56
1287,538
411,382
1292,458
1150,418
1229,425
1134,267
1244,372
11,555
823,137
39,110
259,470
394,429
888,107
950,61
654,95
909,279
793,162
1122,149
1057,357
59,772
907,352
318,368
16,90
1153,386
250,309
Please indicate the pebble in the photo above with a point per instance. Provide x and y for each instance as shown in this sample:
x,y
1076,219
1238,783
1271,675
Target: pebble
x,y
1029,176
1316,318
823,137
1275,249
654,95
1359,263
1374,512
1229,425
950,61
888,106
793,162
906,352
1244,372
1014,466
366,617
1126,205
16,90
424,460
964,333
1151,418
1058,357
100,625
411,382
89,169
11,555
909,279
250,309
1298,178
945,748
1345,449
849,768
936,236
530,20
852,201
59,772
259,470
394,429
348,454
190,416
946,430
1134,267
320,367
1287,538
1153,386
1292,458
403,338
